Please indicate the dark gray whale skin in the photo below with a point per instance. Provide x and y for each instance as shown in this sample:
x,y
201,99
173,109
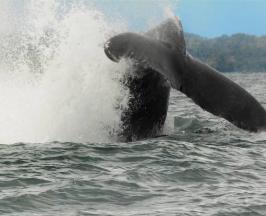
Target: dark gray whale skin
x,y
149,91
147,106
166,54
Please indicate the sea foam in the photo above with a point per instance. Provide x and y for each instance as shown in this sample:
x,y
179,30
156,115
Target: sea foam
x,y
55,80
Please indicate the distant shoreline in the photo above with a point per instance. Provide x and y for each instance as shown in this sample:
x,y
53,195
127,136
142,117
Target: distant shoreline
x,y
238,52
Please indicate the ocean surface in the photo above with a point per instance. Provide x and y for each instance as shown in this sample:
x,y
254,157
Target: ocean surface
x,y
60,100
203,166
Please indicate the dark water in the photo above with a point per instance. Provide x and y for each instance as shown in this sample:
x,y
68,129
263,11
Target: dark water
x,y
204,166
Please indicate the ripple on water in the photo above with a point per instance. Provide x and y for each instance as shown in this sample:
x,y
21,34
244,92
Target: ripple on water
x,y
205,166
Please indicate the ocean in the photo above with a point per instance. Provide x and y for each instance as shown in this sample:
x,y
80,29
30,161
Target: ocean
x,y
203,166
60,103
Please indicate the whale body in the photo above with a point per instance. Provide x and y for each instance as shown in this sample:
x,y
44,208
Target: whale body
x,y
161,55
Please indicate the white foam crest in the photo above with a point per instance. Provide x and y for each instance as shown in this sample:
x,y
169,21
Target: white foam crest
x,y
168,12
55,80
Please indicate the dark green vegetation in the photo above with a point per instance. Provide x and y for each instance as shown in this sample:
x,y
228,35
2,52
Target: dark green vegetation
x,y
239,52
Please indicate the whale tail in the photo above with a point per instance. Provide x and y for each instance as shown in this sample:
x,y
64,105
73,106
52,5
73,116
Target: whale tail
x,y
149,93
171,33
164,50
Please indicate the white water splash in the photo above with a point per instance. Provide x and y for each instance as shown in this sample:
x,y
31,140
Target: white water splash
x,y
55,80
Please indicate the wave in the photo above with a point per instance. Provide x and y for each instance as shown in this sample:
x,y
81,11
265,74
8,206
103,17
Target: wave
x,y
55,81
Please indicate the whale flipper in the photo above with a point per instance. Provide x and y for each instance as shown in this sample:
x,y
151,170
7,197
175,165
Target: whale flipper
x,y
207,87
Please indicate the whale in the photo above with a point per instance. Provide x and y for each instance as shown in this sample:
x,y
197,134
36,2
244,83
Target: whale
x,y
161,60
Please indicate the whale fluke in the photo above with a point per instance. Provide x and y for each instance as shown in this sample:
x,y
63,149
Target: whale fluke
x,y
171,33
207,87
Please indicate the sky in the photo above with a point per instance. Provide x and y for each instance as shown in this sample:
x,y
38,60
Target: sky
x,y
209,18
216,17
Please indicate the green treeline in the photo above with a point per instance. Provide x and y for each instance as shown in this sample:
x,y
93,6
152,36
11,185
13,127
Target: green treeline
x,y
239,52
